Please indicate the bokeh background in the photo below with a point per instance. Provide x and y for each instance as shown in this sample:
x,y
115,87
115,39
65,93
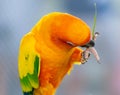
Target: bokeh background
x,y
17,17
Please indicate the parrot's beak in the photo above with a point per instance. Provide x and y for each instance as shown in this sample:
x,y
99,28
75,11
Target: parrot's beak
x,y
90,49
94,52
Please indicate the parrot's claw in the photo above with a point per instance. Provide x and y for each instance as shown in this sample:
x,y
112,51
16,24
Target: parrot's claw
x,y
85,56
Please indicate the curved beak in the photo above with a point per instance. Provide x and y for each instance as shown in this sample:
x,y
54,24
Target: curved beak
x,y
94,52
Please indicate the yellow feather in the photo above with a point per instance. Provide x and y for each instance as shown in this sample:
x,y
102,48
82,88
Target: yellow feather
x,y
27,56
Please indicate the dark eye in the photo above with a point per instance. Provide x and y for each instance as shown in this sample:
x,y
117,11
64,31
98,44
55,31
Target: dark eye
x,y
70,43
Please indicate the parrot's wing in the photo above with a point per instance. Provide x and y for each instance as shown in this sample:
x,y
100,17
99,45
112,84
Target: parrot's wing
x,y
28,64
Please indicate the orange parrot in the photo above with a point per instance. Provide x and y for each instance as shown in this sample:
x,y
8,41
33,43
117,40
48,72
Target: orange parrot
x,y
48,52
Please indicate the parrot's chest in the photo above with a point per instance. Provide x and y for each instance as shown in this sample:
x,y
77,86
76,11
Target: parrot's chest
x,y
54,66
54,62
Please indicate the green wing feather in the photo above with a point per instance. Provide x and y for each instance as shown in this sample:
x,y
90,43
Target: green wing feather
x,y
28,64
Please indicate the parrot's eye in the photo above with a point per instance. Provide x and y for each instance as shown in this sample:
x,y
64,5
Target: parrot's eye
x,y
70,43
90,44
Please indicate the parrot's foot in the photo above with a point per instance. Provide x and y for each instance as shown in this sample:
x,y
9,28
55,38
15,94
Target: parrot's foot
x,y
85,56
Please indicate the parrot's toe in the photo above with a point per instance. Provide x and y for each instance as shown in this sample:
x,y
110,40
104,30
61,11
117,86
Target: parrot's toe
x,y
85,56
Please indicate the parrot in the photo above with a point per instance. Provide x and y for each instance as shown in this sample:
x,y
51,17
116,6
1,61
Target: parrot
x,y
48,52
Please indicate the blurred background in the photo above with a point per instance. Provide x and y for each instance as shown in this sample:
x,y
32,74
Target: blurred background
x,y
17,17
